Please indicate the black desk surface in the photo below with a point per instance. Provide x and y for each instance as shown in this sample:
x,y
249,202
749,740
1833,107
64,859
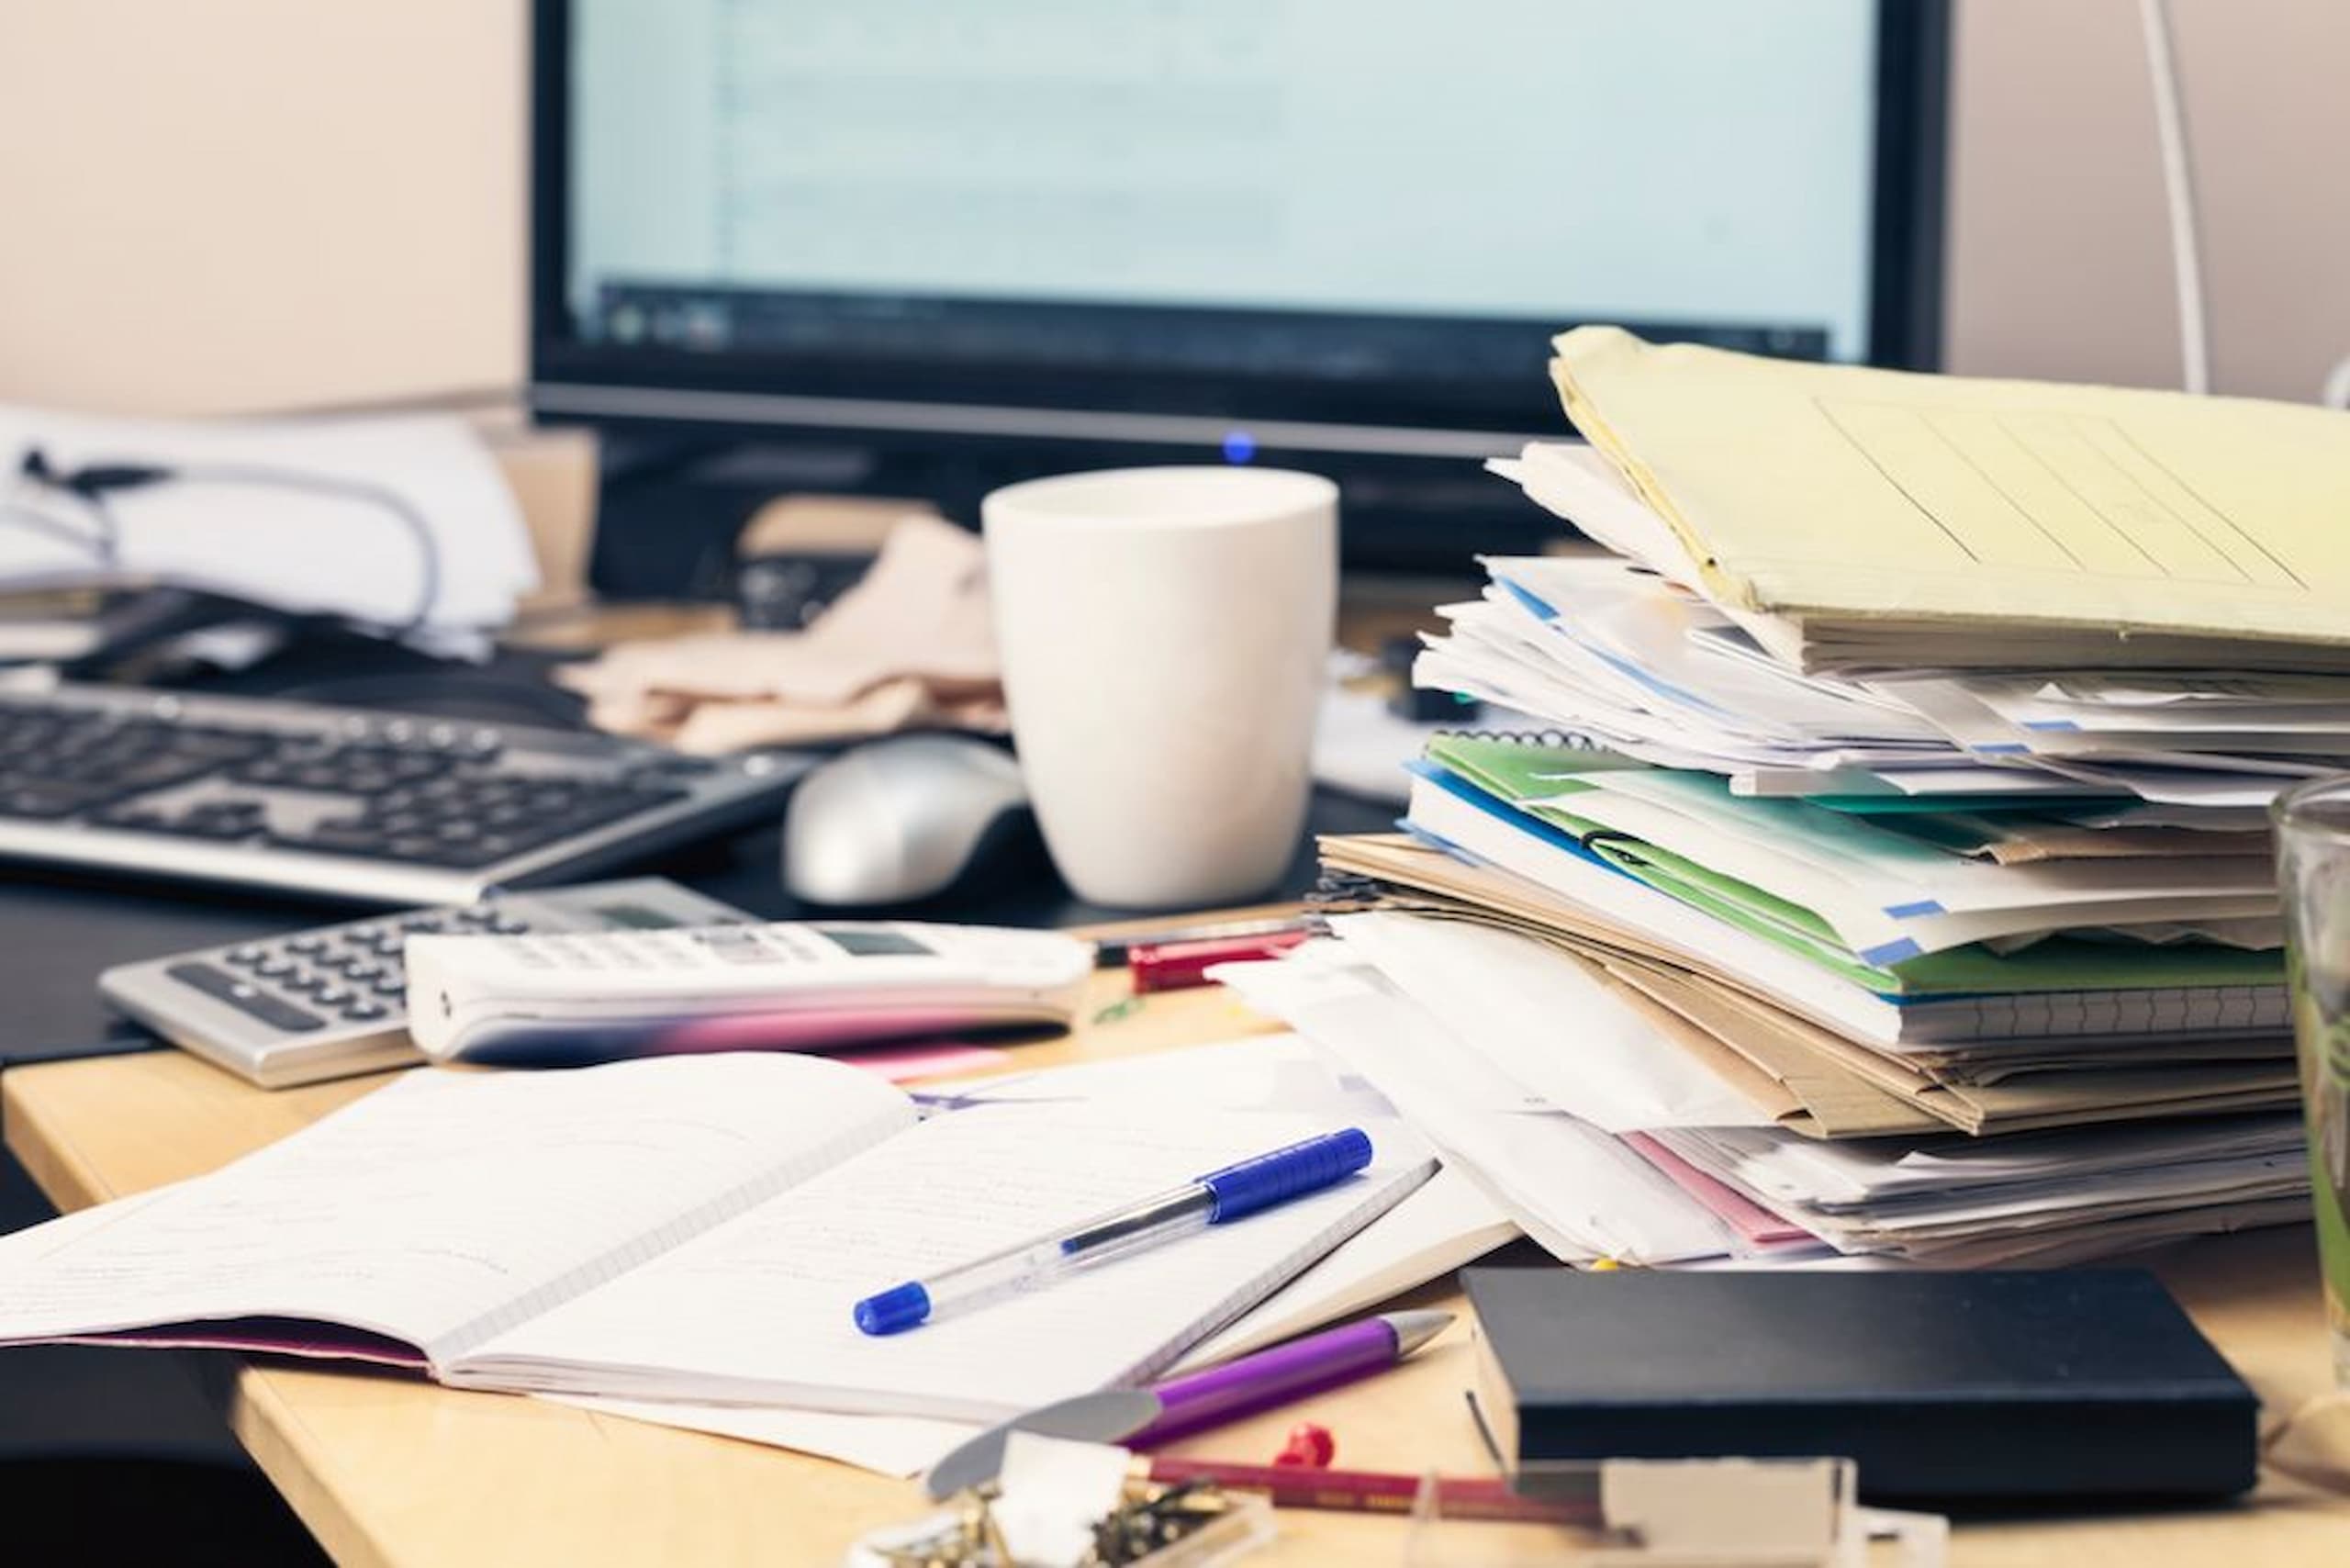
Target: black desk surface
x,y
57,930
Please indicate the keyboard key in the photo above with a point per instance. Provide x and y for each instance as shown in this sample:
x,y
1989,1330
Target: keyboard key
x,y
222,986
274,966
364,1011
333,995
143,819
247,953
215,826
47,803
461,856
339,837
436,795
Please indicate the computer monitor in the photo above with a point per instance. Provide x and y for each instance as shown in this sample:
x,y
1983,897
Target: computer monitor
x,y
945,245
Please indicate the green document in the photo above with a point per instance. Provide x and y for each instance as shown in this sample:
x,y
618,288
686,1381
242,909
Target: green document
x,y
1513,773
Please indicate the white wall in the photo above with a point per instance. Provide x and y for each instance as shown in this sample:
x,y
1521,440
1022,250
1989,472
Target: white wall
x,y
2059,261
240,204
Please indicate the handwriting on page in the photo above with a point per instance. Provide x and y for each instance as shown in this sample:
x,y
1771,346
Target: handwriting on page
x,y
765,1298
444,1197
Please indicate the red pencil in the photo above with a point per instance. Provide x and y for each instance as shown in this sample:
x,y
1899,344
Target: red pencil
x,y
1375,1492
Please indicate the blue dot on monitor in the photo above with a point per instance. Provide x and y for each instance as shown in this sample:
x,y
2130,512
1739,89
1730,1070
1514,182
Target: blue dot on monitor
x,y
1239,446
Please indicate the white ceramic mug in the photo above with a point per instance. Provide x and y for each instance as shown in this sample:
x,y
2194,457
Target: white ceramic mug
x,y
1164,634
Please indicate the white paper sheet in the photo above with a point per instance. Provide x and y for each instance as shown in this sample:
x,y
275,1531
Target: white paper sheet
x,y
1443,1225
1542,1022
448,1203
758,1310
1575,1190
1447,1224
289,513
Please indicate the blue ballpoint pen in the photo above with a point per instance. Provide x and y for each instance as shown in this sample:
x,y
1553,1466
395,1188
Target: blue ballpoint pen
x,y
1216,1198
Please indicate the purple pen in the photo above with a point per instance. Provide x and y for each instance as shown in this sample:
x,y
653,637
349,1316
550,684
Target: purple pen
x,y
1243,1387
1138,1418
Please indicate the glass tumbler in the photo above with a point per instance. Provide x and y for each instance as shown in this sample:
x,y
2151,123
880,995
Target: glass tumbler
x,y
2314,861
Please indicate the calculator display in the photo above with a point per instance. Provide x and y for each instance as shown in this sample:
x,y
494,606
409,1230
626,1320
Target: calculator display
x,y
865,942
634,917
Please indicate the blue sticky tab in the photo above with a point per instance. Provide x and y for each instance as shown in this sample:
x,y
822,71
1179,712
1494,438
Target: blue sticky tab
x,y
1892,952
1911,911
898,1308
1541,608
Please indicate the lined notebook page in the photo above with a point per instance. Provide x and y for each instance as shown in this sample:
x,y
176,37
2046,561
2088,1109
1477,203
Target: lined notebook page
x,y
759,1309
450,1199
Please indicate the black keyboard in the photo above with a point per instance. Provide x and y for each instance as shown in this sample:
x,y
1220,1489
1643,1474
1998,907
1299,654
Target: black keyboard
x,y
345,803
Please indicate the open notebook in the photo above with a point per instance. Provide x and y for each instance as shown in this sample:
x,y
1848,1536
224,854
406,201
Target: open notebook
x,y
694,1229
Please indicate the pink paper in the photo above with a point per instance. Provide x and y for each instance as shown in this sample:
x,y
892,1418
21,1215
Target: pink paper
x,y
1755,1224
925,1059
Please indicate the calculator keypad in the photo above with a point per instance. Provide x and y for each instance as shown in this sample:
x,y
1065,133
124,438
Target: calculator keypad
x,y
333,1000
350,976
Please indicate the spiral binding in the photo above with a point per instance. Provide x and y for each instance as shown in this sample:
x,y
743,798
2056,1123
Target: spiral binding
x,y
1569,740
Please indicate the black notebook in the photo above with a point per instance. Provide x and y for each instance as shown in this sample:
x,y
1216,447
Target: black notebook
x,y
2074,1382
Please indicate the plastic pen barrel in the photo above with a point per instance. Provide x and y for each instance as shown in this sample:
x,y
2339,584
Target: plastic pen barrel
x,y
1217,1198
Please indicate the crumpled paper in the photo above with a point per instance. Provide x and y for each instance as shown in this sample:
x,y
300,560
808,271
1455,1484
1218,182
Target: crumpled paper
x,y
909,646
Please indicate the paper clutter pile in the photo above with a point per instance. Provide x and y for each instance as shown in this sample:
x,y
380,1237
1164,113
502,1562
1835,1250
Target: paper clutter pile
x,y
402,526
910,646
1908,894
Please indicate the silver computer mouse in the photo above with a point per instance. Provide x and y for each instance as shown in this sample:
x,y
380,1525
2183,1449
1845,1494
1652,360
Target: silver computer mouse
x,y
895,821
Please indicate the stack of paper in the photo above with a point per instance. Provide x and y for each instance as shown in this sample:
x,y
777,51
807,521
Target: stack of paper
x,y
1578,1190
1931,727
2034,1200
1856,519
402,523
1671,679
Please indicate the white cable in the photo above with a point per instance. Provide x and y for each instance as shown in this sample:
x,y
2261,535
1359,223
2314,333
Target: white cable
x,y
2178,186
2337,386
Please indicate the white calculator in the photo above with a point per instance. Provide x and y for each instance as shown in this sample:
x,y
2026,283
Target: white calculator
x,y
557,998
328,1003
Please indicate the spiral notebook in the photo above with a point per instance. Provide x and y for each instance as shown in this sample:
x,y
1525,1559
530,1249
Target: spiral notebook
x,y
692,1228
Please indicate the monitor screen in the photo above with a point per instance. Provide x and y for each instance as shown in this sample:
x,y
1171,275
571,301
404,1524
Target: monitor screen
x,y
1320,226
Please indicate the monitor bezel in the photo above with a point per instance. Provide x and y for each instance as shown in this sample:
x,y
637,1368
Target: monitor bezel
x,y
573,379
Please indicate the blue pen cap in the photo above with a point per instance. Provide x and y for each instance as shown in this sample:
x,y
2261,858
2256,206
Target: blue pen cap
x,y
1286,1174
898,1308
